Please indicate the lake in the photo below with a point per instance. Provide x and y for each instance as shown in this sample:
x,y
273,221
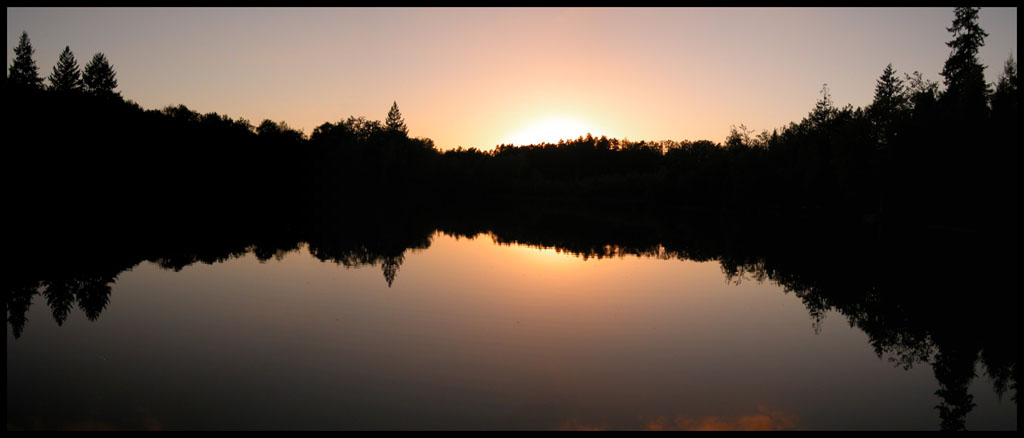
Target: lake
x,y
508,325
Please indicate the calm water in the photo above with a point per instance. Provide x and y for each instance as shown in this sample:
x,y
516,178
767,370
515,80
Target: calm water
x,y
470,333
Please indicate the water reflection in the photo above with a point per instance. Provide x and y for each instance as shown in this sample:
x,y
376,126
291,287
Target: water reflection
x,y
762,420
922,296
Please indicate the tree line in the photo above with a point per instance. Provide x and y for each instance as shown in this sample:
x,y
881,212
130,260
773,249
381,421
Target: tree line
x,y
97,78
916,153
95,184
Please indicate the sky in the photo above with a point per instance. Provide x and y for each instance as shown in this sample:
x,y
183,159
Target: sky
x,y
478,77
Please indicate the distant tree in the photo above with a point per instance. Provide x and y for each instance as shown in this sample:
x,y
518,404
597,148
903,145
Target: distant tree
x,y
1008,79
395,122
66,76
181,113
964,75
764,139
281,131
99,76
1004,100
921,93
245,124
824,110
23,70
268,127
739,137
363,129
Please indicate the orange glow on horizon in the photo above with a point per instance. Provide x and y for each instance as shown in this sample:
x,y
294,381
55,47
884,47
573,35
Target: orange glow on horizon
x,y
477,77
763,419
551,129
543,256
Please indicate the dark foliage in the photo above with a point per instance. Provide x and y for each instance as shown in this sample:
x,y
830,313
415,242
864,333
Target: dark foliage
x,y
99,76
23,71
964,75
893,189
902,286
66,77
901,159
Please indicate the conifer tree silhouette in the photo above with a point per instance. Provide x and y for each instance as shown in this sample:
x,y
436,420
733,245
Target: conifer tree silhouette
x,y
66,76
395,122
889,103
99,76
964,75
23,70
1004,99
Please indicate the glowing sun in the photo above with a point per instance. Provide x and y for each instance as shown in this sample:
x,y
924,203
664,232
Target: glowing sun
x,y
551,129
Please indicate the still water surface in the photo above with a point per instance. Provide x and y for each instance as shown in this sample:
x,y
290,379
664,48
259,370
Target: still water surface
x,y
470,334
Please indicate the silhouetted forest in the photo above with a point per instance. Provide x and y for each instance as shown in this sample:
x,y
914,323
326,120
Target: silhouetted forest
x,y
916,154
890,214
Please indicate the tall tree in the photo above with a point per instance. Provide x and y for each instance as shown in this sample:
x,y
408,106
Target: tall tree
x,y
889,91
964,74
66,76
99,76
23,70
889,105
395,122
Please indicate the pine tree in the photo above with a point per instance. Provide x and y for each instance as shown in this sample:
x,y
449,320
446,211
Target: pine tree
x,y
99,76
23,70
1008,80
824,110
66,75
890,94
964,74
1004,100
889,105
1006,88
395,122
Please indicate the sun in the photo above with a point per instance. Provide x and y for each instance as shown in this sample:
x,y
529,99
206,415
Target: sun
x,y
551,129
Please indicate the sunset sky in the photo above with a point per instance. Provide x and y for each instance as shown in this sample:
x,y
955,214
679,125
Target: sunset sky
x,y
480,77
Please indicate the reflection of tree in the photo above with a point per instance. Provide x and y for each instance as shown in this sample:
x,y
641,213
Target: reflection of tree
x,y
954,369
91,293
60,296
362,256
65,280
903,288
19,299
390,268
380,240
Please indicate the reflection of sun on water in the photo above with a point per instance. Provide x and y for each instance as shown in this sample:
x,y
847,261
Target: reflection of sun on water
x,y
544,256
550,255
551,129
